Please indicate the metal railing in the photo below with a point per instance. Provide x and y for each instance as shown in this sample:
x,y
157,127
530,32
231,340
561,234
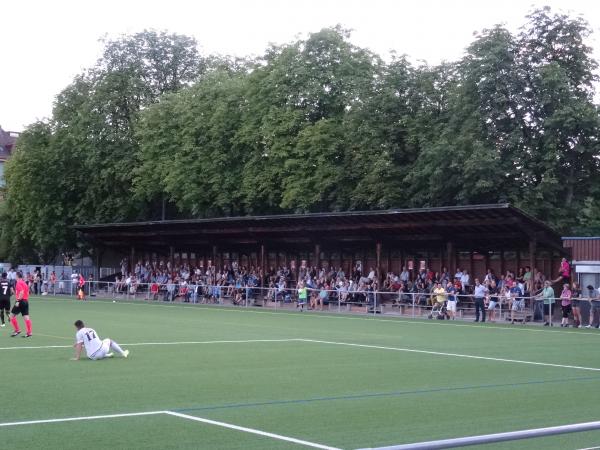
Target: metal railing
x,y
412,304
496,437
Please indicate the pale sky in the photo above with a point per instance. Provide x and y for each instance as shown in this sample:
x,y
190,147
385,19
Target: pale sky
x,y
44,44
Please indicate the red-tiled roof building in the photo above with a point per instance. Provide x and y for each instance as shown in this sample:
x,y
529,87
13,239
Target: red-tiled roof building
x,y
7,143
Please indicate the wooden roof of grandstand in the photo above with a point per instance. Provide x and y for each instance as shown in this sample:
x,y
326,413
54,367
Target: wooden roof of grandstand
x,y
486,226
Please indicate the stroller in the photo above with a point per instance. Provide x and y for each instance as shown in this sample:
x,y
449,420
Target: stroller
x,y
439,311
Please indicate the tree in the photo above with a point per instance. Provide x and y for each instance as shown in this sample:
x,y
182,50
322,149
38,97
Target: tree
x,y
36,198
300,97
561,168
77,167
188,149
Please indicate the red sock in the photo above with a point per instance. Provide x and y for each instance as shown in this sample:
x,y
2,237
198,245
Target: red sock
x,y
15,324
28,325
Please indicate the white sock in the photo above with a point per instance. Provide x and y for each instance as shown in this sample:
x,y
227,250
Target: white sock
x,y
116,347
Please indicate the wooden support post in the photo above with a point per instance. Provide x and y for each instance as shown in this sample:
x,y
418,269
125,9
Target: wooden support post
x,y
132,261
450,258
98,254
214,258
317,256
171,257
262,264
441,260
487,261
378,261
532,262
402,261
471,269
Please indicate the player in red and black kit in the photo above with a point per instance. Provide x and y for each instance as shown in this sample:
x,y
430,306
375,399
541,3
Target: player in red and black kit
x,y
21,306
5,292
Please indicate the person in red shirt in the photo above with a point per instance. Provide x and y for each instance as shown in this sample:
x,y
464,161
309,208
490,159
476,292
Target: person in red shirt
x,y
21,307
154,290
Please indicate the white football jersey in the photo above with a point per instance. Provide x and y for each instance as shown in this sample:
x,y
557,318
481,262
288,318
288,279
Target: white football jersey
x,y
89,338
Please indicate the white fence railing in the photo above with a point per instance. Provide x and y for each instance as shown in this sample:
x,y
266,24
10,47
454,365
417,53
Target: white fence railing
x,y
521,309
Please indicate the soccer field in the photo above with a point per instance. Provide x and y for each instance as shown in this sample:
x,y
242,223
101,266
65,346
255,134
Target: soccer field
x,y
220,378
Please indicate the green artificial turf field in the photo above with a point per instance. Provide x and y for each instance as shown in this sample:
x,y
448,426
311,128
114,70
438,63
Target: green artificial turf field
x,y
337,381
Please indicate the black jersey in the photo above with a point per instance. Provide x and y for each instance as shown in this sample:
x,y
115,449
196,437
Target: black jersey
x,y
4,290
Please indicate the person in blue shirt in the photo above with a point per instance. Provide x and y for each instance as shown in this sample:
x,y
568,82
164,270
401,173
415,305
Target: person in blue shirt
x,y
518,302
452,301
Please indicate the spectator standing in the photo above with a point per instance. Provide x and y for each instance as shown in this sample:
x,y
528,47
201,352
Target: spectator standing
x,y
170,292
61,283
565,303
302,295
594,305
548,296
12,277
52,282
575,305
154,290
81,287
74,282
479,296
493,300
37,282
465,279
516,301
528,279
452,301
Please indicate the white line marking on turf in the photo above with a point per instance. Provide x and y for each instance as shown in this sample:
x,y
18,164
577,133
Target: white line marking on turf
x,y
251,430
247,341
457,355
175,414
74,419
30,347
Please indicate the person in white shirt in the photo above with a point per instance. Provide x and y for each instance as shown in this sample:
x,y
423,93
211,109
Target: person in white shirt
x,y
458,274
479,296
465,280
371,274
12,277
95,347
74,282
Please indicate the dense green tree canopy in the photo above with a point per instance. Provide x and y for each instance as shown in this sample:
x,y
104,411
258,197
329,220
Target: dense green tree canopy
x,y
317,124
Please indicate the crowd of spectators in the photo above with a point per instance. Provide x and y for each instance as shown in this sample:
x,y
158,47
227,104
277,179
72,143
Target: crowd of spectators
x,y
199,283
313,287
41,283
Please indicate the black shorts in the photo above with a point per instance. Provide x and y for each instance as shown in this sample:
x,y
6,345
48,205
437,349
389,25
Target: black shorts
x,y
566,310
5,304
23,309
547,309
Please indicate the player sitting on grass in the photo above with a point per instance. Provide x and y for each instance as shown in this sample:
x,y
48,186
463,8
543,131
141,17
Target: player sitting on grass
x,y
94,347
